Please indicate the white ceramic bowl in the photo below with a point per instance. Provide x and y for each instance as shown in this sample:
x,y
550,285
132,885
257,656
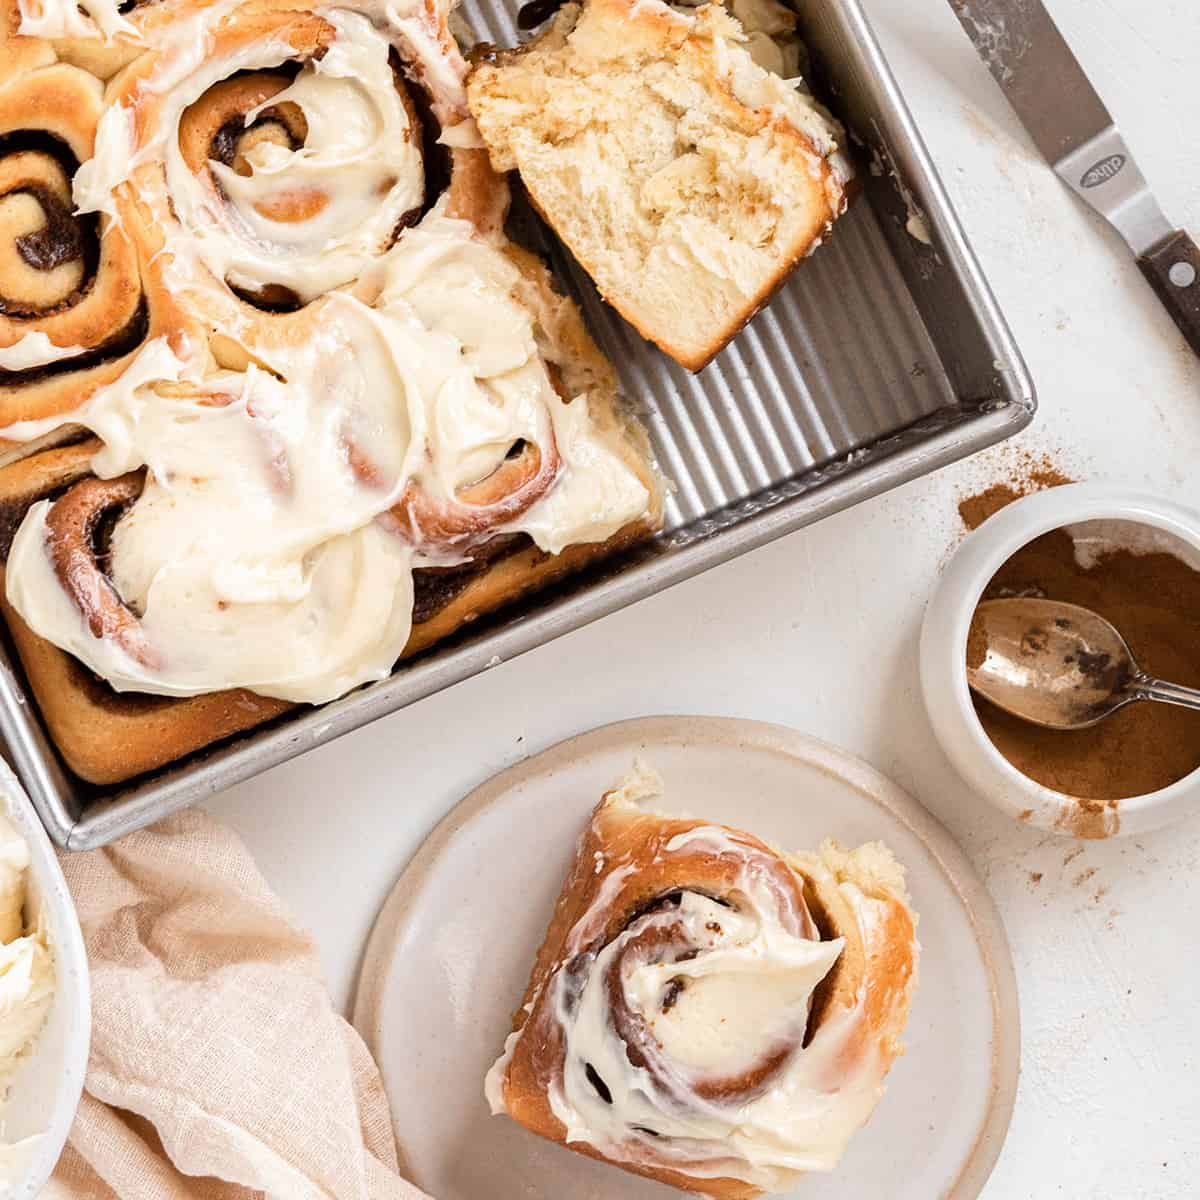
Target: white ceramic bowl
x,y
46,1088
1151,522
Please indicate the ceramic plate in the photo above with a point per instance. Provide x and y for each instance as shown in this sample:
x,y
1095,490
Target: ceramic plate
x,y
451,951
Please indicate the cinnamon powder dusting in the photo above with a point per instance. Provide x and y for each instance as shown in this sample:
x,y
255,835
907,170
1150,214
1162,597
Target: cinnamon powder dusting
x,y
974,510
1028,473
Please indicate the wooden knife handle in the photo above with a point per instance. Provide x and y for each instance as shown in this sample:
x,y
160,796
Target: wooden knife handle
x,y
1173,269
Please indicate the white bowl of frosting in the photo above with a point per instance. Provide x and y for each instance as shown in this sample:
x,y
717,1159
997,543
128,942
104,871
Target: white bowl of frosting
x,y
45,1002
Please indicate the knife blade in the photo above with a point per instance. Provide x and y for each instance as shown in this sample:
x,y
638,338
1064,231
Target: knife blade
x,y
1031,61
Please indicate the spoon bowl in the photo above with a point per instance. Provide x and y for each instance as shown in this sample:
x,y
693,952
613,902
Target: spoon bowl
x,y
1057,665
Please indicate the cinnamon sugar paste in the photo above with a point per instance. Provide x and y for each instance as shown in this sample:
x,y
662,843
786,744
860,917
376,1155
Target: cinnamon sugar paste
x,y
1154,600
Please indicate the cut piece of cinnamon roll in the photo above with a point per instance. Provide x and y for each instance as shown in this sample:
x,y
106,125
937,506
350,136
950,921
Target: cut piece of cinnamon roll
x,y
706,1010
685,179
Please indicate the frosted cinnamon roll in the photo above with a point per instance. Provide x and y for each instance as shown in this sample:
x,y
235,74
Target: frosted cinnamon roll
x,y
267,154
71,304
708,1011
358,417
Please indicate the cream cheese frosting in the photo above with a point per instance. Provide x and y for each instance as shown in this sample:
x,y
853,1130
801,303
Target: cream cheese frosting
x,y
357,173
73,18
35,349
14,862
770,32
757,47
749,986
257,555
350,86
26,965
26,990
359,168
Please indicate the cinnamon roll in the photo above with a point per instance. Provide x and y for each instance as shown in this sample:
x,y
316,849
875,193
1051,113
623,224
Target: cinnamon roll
x,y
423,421
285,161
357,416
72,308
706,1010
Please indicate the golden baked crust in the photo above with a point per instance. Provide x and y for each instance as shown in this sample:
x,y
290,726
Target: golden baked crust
x,y
871,983
677,180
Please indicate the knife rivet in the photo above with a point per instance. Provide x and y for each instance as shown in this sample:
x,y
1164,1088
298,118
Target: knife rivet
x,y
1182,274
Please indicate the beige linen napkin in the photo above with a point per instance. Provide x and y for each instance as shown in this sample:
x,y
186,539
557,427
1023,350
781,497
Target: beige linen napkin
x,y
218,1070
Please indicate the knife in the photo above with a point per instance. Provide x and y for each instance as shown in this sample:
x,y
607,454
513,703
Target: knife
x,y
1031,61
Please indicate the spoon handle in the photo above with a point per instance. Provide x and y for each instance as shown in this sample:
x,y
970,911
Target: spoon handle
x,y
1145,687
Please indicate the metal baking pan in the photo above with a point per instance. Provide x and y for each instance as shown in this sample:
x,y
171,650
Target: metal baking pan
x,y
881,359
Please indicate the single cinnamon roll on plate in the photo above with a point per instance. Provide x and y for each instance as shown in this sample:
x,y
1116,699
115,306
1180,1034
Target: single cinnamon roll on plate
x,y
706,1010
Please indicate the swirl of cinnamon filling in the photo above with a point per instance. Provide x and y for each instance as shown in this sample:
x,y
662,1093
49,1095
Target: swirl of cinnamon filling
x,y
73,527
703,988
71,302
294,182
469,514
706,1010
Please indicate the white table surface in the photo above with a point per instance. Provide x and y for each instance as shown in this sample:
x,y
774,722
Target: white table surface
x,y
819,631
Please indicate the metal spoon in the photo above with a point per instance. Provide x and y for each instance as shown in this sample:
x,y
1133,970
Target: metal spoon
x,y
1058,665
